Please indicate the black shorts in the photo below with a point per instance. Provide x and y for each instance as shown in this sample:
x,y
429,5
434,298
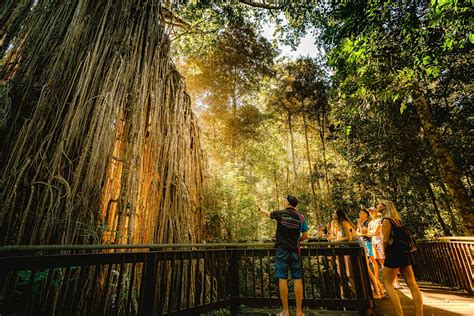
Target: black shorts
x,y
397,259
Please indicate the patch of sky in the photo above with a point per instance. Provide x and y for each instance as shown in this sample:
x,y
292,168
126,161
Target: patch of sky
x,y
306,47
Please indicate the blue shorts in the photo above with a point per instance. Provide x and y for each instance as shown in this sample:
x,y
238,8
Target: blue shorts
x,y
369,250
285,260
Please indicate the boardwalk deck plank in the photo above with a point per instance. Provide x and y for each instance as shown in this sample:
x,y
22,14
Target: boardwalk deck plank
x,y
438,301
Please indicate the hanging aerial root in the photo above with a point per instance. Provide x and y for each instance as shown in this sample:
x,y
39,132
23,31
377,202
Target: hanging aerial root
x,y
100,115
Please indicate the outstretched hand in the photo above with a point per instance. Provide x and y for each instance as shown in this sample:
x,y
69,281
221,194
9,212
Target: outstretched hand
x,y
264,212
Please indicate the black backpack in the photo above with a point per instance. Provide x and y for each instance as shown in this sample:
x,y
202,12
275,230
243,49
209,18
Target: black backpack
x,y
403,240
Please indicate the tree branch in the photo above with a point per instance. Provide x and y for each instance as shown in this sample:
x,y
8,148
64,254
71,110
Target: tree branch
x,y
170,19
264,5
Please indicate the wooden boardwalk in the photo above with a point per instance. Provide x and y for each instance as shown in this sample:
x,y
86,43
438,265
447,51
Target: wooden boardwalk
x,y
438,301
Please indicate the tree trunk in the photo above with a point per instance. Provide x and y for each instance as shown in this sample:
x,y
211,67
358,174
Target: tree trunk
x,y
308,155
447,203
435,205
438,214
445,163
100,115
277,194
290,129
14,13
234,119
468,176
323,143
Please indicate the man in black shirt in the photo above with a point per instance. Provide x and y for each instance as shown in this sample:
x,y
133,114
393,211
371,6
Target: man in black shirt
x,y
291,229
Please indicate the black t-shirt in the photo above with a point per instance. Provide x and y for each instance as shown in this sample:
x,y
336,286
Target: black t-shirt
x,y
289,226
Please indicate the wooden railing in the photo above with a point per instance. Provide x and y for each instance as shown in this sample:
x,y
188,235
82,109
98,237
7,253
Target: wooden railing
x,y
447,261
334,277
172,279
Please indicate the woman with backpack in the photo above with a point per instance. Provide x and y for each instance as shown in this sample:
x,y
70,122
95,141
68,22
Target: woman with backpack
x,y
374,230
398,258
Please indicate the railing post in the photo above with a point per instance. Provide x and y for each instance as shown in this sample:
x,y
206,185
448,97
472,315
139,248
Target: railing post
x,y
147,306
365,296
234,281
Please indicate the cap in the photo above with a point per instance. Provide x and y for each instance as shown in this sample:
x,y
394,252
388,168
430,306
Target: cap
x,y
292,200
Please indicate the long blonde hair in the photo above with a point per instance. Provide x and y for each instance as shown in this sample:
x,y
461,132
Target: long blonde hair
x,y
390,209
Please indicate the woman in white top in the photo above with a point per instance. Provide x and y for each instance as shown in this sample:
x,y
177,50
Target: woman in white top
x,y
375,231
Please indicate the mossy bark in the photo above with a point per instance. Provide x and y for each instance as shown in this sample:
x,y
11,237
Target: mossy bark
x,y
101,145
448,169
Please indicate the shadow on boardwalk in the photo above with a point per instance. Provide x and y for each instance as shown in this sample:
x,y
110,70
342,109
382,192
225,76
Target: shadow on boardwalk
x,y
438,301
268,312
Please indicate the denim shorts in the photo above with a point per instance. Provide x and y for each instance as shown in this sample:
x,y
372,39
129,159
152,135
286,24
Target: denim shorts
x,y
284,260
368,248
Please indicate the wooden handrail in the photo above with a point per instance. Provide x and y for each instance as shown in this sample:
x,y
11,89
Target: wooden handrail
x,y
171,279
162,246
447,239
447,261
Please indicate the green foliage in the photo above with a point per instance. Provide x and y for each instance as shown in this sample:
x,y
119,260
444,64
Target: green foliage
x,y
231,212
227,80
24,277
365,136
386,48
